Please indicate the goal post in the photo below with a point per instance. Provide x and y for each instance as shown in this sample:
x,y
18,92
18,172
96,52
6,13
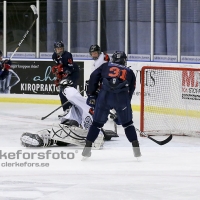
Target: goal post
x,y
170,101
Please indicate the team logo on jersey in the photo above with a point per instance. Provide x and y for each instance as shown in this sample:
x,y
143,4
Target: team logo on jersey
x,y
87,122
114,80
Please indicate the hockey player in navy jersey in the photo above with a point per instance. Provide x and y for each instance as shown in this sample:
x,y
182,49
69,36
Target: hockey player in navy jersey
x,y
6,74
65,68
118,85
4,67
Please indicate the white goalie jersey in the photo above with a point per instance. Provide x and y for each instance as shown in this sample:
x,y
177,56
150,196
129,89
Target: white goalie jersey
x,y
101,59
79,110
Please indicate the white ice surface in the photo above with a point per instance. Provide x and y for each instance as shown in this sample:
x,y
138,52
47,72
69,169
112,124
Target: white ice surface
x,y
167,172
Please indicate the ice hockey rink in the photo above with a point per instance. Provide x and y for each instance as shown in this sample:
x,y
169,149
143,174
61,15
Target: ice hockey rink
x,y
167,172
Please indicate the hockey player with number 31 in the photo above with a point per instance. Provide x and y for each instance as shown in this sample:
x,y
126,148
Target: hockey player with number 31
x,y
118,85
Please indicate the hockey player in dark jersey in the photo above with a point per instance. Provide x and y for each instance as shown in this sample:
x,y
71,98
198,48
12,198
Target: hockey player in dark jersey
x,y
5,75
65,69
4,67
118,85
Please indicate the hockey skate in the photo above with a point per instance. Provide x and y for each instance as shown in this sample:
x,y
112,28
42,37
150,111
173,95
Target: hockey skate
x,y
87,150
136,148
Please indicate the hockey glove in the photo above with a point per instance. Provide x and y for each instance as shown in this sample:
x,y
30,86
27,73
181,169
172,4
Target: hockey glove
x,y
6,67
58,69
91,100
56,82
54,69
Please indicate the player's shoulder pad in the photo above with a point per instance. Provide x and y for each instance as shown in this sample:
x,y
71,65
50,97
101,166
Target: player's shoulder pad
x,y
103,65
54,56
67,53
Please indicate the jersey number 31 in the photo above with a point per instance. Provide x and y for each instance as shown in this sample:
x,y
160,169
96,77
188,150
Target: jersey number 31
x,y
115,72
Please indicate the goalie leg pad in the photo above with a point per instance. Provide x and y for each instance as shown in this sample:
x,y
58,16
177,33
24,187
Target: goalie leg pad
x,y
74,135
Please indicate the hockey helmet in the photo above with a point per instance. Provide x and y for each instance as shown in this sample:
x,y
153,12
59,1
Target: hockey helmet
x,y
59,45
66,83
119,57
94,48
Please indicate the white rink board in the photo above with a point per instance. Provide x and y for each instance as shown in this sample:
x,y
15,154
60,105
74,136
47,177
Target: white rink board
x,y
135,66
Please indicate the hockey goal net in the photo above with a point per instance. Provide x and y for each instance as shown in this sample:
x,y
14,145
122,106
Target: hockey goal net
x,y
170,101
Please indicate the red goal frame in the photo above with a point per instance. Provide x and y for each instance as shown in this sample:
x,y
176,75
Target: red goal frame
x,y
142,81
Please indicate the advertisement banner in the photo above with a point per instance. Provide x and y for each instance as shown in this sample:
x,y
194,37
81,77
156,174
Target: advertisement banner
x,y
35,77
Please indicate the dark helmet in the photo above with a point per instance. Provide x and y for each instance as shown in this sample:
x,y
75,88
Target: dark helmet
x,y
1,54
94,48
119,57
58,44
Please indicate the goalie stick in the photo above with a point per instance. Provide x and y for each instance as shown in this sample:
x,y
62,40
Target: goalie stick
x,y
163,142
34,9
56,109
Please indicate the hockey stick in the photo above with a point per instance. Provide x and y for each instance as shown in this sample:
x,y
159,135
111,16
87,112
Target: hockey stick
x,y
144,134
34,9
57,109
156,141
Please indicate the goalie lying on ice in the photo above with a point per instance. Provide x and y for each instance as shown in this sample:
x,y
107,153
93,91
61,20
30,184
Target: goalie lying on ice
x,y
73,128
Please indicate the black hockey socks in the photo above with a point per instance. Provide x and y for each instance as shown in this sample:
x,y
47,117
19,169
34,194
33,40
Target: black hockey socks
x,y
93,133
130,133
